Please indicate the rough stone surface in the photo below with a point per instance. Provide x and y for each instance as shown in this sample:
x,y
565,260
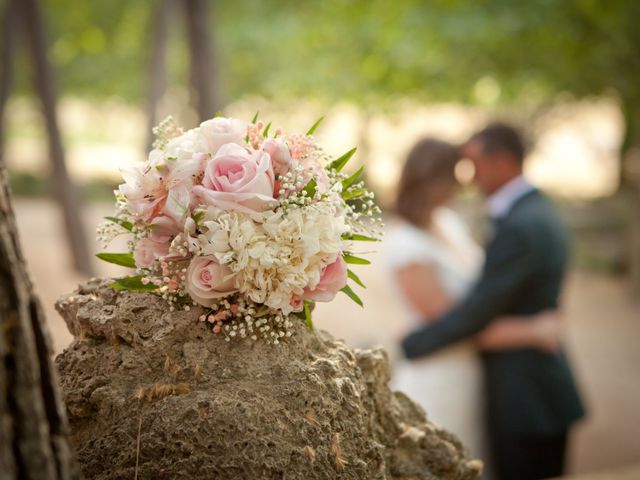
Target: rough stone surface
x,y
144,383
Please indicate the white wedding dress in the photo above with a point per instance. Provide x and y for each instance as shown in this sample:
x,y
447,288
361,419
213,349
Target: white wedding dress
x,y
447,384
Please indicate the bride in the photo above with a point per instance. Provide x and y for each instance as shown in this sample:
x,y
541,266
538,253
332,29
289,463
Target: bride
x,y
433,262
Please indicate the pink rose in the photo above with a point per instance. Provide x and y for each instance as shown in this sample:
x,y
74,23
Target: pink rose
x,y
207,280
332,280
148,250
220,131
156,245
237,180
280,156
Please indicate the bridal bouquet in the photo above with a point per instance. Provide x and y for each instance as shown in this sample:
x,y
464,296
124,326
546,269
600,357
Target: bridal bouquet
x,y
253,226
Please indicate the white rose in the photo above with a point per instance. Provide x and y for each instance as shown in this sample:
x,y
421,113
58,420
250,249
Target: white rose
x,y
219,131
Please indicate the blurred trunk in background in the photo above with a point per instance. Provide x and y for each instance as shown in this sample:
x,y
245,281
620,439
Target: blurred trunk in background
x,y
204,74
24,17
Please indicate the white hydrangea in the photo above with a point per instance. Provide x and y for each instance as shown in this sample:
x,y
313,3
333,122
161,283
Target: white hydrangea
x,y
275,255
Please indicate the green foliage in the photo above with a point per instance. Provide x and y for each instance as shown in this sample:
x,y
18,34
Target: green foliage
x,y
123,223
315,126
339,163
122,259
133,284
356,237
352,259
347,182
369,52
352,295
355,278
308,305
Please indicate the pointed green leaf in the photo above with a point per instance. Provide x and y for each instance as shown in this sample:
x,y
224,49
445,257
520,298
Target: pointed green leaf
x,y
123,259
353,194
265,132
352,295
353,260
347,182
255,117
315,126
133,284
310,188
218,114
339,163
355,278
123,223
307,315
356,237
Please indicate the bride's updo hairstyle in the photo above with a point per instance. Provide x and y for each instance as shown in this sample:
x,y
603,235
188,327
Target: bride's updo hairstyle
x,y
427,180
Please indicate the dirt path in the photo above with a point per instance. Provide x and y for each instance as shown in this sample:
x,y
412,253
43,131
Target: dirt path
x,y
602,320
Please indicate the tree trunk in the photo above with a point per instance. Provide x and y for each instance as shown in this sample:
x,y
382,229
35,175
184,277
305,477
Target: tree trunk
x,y
33,424
157,70
44,85
203,71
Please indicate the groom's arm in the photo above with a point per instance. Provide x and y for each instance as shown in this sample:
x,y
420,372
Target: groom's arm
x,y
508,264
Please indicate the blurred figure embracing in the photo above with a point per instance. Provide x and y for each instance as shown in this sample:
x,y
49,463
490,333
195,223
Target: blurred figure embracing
x,y
500,371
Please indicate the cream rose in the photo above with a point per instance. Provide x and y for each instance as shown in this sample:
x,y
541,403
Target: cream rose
x,y
207,280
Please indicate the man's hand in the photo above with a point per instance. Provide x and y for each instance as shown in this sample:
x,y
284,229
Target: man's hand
x,y
543,331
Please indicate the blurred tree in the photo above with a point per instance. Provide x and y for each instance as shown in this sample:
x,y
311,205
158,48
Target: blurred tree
x,y
495,52
27,14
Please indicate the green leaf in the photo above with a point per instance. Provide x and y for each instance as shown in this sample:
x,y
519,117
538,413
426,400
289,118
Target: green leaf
x,y
347,182
133,284
356,237
353,260
355,278
255,117
315,126
199,216
265,132
123,223
353,194
352,295
307,315
123,259
311,187
218,114
339,163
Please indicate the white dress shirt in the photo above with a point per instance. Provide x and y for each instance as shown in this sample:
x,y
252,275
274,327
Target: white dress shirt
x,y
499,204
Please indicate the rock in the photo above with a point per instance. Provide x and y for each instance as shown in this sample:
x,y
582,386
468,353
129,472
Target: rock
x,y
159,389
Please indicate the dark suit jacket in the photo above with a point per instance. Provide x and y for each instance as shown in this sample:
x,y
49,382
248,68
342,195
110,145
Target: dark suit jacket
x,y
528,391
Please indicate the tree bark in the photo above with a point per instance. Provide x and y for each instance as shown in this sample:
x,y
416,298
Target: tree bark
x,y
33,424
44,85
157,69
203,71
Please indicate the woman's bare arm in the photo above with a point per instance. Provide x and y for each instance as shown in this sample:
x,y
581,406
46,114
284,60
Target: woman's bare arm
x,y
542,331
423,290
425,293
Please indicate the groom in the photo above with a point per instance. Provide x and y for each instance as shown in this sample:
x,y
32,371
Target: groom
x,y
531,397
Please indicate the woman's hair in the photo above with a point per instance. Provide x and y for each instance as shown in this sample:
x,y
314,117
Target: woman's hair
x,y
427,173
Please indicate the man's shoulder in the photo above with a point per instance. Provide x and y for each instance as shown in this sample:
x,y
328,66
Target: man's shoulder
x,y
535,214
